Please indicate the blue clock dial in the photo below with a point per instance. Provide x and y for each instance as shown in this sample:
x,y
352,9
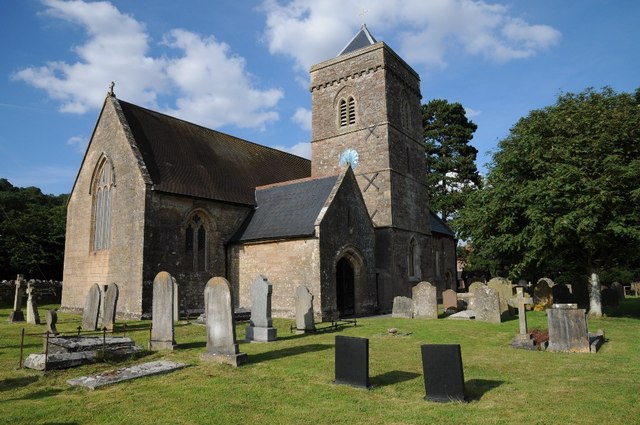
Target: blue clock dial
x,y
349,156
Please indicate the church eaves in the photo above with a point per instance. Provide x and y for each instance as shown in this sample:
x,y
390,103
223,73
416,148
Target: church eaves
x,y
362,39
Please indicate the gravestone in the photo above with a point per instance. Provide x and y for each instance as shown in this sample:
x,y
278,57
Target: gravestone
x,y
91,309
486,304
52,319
162,332
352,361
523,339
425,303
471,301
561,294
304,310
221,328
176,301
568,330
32,308
542,294
16,314
505,292
402,307
449,300
619,289
443,373
609,297
261,325
110,304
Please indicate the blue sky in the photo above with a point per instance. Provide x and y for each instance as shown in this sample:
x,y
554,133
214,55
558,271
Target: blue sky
x,y
241,66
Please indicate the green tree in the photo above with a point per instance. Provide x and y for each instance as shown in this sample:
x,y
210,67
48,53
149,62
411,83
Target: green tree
x,y
32,230
563,191
451,167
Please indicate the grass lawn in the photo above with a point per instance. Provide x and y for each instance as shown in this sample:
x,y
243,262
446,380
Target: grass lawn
x,y
290,381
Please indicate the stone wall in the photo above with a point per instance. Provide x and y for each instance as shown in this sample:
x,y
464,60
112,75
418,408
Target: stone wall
x,y
46,292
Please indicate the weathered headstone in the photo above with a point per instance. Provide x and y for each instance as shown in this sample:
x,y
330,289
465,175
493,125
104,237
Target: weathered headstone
x,y
352,361
261,325
110,304
486,304
542,294
617,286
162,332
561,294
523,339
33,316
449,300
568,330
52,319
425,303
504,288
471,301
304,310
16,314
402,307
609,297
443,373
91,309
221,328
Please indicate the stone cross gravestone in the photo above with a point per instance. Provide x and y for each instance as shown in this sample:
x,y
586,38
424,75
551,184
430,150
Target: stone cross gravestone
x,y
568,330
486,304
16,314
110,304
523,339
304,310
261,325
352,361
33,316
221,328
504,288
425,303
91,309
52,319
449,300
443,373
402,307
162,331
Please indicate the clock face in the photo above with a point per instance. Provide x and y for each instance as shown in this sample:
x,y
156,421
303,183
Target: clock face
x,y
349,156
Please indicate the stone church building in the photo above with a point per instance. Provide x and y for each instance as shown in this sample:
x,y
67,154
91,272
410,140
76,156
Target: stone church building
x,y
353,224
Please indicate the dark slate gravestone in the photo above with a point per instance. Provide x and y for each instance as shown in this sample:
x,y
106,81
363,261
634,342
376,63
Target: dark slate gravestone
x,y
443,375
352,361
110,304
261,325
561,294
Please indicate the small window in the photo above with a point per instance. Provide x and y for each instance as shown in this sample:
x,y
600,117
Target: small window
x,y
102,199
413,259
343,113
195,244
352,111
405,115
347,111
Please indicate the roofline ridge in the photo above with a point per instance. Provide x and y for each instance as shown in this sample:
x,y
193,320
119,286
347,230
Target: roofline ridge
x,y
295,181
367,34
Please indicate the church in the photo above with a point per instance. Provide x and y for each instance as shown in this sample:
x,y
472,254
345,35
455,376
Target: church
x,y
156,193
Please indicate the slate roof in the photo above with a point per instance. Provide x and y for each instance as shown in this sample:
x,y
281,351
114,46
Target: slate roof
x,y
439,226
287,210
362,39
186,159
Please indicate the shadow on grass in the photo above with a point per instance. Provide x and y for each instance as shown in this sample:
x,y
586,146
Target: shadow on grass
x,y
286,352
188,345
13,383
393,377
629,308
476,388
37,395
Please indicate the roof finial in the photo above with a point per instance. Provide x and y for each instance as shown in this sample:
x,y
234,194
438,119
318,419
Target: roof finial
x,y
362,14
111,93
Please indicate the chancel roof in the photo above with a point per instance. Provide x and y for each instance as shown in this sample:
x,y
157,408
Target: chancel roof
x,y
362,39
287,210
439,226
186,159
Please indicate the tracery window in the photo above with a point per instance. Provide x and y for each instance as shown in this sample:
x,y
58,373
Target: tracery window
x,y
102,200
196,243
413,259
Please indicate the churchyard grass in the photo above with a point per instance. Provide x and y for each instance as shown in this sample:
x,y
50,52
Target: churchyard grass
x,y
290,381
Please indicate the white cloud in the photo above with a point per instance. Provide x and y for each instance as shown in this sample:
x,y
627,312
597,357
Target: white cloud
x,y
470,113
302,149
79,143
216,90
311,31
302,117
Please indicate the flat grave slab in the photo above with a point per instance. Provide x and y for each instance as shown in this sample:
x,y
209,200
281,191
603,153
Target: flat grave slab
x,y
125,374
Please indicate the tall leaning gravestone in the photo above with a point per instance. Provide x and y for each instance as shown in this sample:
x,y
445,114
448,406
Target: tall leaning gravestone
x,y
305,321
91,309
221,328
261,325
162,332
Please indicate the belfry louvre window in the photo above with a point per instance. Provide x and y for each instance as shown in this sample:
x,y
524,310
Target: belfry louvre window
x,y
102,200
347,111
196,244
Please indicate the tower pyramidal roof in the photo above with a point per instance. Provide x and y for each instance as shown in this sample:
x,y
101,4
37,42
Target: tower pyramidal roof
x,y
362,39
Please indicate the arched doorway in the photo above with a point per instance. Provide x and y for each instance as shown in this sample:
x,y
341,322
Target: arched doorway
x,y
345,288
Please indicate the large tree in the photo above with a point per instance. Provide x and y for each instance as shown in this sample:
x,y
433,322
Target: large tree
x,y
563,191
451,160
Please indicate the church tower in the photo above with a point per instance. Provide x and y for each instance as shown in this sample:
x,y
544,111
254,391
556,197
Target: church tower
x,y
366,113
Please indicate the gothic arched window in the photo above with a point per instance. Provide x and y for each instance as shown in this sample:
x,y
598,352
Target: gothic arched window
x,y
413,259
196,244
102,200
